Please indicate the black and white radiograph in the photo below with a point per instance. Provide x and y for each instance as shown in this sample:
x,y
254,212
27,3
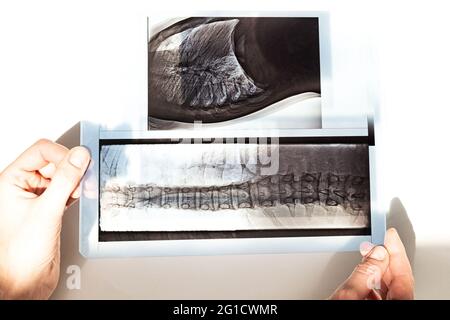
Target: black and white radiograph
x,y
211,70
210,187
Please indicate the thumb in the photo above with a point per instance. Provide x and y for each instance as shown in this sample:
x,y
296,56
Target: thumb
x,y
366,276
66,178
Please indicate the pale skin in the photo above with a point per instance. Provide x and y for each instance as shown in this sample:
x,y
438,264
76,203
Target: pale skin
x,y
38,186
34,192
383,274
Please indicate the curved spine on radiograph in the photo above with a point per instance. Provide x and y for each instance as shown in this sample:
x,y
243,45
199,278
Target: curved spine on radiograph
x,y
324,189
198,68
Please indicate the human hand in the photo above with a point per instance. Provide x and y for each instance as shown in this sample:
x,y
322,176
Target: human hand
x,y
34,192
384,273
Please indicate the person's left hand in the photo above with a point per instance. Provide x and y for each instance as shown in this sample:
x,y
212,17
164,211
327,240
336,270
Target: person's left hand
x,y
34,192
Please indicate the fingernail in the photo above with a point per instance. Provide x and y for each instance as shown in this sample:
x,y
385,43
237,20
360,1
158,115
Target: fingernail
x,y
365,247
378,253
79,157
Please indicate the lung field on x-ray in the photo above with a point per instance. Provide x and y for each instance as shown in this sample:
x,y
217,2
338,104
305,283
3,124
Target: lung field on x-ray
x,y
212,70
198,67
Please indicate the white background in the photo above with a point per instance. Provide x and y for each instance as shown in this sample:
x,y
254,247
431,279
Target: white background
x,y
64,61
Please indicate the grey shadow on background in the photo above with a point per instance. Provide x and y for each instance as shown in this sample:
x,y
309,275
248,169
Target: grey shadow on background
x,y
70,254
398,219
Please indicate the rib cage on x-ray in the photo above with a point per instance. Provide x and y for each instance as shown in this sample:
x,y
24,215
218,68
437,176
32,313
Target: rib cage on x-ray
x,y
218,69
191,187
199,67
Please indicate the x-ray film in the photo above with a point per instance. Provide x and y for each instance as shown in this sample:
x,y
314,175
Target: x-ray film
x,y
253,134
216,186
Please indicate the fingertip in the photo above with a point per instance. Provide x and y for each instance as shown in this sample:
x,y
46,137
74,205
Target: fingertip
x,y
43,142
365,247
76,193
391,232
378,253
79,157
392,241
48,171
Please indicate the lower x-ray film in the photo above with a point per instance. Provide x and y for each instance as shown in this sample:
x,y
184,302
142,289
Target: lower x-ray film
x,y
218,187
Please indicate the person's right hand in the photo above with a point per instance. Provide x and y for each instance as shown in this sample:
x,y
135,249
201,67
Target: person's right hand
x,y
384,273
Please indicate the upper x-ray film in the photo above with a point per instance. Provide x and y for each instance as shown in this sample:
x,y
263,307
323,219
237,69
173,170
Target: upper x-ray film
x,y
226,71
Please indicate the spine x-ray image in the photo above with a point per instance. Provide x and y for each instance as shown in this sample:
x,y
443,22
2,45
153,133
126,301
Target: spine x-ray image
x,y
215,186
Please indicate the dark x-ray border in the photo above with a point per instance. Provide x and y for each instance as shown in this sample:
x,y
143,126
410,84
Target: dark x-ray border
x,y
105,236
